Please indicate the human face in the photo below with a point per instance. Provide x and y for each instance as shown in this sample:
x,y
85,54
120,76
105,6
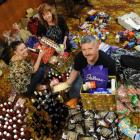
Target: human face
x,y
21,50
90,51
48,17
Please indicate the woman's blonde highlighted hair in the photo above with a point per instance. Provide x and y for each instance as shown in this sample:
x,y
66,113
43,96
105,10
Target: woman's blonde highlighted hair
x,y
44,8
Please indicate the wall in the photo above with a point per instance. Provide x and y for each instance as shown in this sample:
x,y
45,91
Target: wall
x,y
12,10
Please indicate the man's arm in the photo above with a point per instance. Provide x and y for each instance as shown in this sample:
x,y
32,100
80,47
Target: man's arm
x,y
73,75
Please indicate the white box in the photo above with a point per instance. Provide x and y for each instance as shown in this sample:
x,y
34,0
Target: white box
x,y
130,21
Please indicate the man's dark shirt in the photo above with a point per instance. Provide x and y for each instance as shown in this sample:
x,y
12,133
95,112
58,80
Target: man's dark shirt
x,y
80,62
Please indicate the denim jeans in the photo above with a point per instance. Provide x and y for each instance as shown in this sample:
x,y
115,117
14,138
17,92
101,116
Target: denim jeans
x,y
36,79
74,91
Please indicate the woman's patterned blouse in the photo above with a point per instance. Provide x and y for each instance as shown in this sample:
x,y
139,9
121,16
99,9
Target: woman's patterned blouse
x,y
20,75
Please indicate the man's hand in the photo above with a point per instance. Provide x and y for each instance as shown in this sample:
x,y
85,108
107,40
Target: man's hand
x,y
54,82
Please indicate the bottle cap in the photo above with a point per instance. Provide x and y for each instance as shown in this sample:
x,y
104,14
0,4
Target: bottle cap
x,y
5,103
10,120
9,103
14,126
15,131
22,133
19,115
14,118
19,121
21,129
5,126
18,111
8,135
15,136
5,118
3,109
8,110
5,132
7,115
9,127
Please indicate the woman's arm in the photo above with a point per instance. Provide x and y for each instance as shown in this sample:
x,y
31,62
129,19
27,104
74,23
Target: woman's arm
x,y
38,61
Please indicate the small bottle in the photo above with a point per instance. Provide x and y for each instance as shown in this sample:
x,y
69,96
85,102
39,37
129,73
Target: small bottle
x,y
5,119
19,116
18,111
1,128
8,136
7,123
3,109
15,131
9,104
14,119
1,117
11,112
5,133
14,126
19,121
7,110
1,135
1,106
22,134
7,115
16,137
5,105
22,129
10,122
5,127
9,128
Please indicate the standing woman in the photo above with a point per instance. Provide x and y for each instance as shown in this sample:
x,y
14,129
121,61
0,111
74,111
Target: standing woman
x,y
25,77
56,26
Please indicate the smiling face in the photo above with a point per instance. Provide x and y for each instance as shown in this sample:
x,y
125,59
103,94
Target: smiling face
x,y
21,50
90,51
47,16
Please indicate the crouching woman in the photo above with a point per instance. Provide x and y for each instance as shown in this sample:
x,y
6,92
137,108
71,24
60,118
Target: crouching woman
x,y
24,75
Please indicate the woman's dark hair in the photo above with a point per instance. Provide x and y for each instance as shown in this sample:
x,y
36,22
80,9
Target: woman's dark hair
x,y
14,44
4,51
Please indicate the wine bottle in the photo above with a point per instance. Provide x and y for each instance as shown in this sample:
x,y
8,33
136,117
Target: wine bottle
x,y
34,50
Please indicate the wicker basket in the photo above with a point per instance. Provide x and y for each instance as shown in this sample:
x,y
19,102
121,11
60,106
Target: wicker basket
x,y
102,102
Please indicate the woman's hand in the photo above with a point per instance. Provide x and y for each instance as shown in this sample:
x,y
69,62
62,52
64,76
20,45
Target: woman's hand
x,y
41,53
38,61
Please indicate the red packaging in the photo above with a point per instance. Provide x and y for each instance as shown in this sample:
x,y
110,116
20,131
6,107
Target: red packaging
x,y
49,53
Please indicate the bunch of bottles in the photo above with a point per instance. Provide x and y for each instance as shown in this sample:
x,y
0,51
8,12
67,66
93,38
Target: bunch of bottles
x,y
40,124
56,110
12,122
52,73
